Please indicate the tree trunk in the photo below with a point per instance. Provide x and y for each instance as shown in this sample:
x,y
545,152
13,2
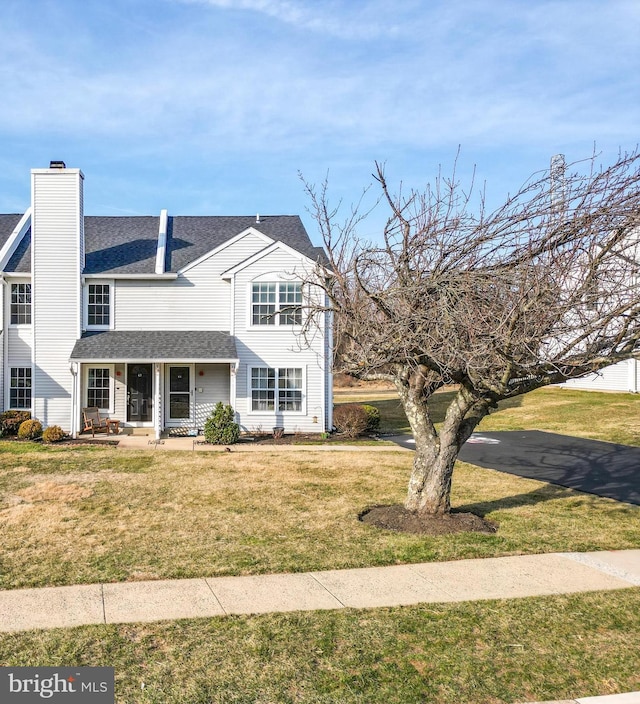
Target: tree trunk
x,y
429,489
430,483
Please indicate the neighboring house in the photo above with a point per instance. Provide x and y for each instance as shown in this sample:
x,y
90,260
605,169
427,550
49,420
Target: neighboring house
x,y
156,319
623,376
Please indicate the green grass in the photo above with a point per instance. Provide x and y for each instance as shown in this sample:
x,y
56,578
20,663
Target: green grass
x,y
86,515
614,417
482,653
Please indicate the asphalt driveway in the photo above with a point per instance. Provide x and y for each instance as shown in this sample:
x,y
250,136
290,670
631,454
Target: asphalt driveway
x,y
595,467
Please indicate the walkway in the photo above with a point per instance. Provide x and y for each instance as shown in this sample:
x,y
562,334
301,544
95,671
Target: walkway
x,y
197,444
396,585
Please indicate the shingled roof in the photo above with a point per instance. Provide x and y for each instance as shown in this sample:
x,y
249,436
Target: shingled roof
x,y
127,245
155,345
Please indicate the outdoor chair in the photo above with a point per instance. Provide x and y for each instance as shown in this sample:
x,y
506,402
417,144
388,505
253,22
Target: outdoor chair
x,y
93,421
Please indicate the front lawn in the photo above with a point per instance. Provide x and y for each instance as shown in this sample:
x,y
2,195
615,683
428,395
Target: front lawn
x,y
491,652
87,514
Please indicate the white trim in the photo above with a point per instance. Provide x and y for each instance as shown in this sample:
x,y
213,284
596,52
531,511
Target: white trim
x,y
232,312
162,242
19,231
263,253
157,400
276,412
272,278
632,375
76,401
16,282
224,245
85,305
9,387
180,422
159,360
131,277
112,384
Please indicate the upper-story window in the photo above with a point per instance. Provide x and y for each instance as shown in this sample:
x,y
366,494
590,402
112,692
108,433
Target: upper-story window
x,y
21,304
276,303
99,305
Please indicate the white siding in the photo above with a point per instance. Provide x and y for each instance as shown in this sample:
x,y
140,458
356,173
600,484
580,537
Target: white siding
x,y
197,300
277,347
214,383
613,378
19,343
56,233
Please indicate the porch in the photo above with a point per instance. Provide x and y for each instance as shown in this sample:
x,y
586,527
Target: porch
x,y
153,382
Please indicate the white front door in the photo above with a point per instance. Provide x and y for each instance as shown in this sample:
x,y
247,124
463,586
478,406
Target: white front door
x,y
179,396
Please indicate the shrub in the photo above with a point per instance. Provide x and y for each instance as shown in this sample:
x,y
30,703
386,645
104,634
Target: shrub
x,y
30,429
53,433
373,416
220,427
350,419
10,421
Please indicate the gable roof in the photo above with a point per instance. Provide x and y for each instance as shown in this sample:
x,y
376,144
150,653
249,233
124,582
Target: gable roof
x,y
128,244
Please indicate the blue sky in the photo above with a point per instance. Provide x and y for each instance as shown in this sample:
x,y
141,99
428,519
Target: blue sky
x,y
213,106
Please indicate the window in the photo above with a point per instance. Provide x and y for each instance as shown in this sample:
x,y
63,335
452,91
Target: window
x,y
276,389
290,298
20,388
20,304
276,303
98,305
290,389
98,387
263,300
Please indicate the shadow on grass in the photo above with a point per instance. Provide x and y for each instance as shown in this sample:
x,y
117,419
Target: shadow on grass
x,y
531,498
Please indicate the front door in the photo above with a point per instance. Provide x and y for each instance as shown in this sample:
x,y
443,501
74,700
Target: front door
x,y
139,390
180,410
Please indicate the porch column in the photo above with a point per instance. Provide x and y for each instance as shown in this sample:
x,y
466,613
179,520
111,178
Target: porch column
x,y
157,402
233,369
75,399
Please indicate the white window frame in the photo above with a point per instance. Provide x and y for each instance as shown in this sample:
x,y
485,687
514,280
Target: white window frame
x,y
30,304
97,282
112,385
275,411
278,282
10,388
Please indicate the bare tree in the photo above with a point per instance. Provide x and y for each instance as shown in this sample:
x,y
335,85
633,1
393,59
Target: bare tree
x,y
541,290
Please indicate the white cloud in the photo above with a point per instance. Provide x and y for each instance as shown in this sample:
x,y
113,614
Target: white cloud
x,y
340,19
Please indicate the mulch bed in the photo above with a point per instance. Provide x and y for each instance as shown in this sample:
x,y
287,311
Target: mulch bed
x,y
396,517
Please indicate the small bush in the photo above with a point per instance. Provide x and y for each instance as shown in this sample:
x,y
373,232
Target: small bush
x,y
30,429
350,419
53,433
220,427
373,416
10,421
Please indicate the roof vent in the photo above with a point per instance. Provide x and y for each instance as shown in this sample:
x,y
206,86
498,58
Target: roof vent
x,y
57,165
257,218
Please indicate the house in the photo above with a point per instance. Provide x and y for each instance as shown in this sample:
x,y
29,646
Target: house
x,y
156,319
623,376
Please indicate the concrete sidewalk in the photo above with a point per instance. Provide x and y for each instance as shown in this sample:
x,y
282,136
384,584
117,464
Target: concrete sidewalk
x,y
461,580
627,698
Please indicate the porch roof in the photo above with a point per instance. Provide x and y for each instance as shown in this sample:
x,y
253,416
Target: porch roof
x,y
156,346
